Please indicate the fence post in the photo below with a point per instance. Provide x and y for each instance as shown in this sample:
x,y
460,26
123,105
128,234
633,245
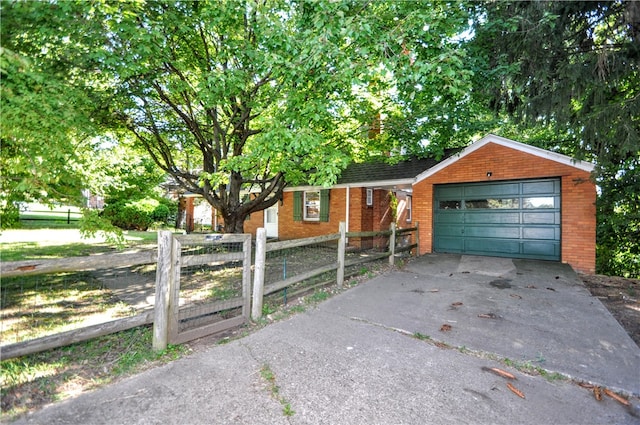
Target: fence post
x,y
246,277
173,306
68,215
417,239
341,248
163,276
392,245
258,273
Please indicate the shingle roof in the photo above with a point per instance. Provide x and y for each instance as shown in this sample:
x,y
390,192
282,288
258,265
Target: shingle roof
x,y
379,170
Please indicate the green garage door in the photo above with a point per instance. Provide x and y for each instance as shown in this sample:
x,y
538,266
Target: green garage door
x,y
519,219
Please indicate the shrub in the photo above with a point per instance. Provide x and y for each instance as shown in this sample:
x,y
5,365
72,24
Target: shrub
x,y
136,215
161,214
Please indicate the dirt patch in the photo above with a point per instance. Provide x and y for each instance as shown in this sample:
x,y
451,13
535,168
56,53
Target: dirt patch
x,y
621,296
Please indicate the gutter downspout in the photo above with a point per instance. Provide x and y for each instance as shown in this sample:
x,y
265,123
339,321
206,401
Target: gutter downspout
x,y
346,220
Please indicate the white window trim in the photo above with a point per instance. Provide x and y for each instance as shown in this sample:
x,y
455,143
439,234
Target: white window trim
x,y
409,206
305,217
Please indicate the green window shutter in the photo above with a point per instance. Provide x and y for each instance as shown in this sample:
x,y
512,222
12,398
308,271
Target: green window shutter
x,y
297,206
324,205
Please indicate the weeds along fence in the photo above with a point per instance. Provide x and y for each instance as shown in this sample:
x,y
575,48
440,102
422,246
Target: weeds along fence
x,y
189,287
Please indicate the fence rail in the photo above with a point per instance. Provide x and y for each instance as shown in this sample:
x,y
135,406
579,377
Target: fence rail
x,y
202,283
74,264
49,215
77,335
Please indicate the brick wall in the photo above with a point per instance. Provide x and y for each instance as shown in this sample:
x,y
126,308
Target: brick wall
x,y
361,217
289,229
254,221
578,196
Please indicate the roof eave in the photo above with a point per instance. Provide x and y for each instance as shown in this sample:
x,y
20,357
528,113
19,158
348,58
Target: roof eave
x,y
391,184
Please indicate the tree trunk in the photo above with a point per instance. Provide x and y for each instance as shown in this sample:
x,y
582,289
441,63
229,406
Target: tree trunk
x,y
233,224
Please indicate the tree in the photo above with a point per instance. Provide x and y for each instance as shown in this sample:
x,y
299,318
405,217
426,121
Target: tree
x,y
239,97
568,74
43,134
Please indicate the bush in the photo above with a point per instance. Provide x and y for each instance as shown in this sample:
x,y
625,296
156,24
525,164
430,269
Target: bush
x,y
9,216
136,215
161,214
140,215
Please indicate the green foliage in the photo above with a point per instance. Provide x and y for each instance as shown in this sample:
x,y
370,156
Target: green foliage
x,y
92,224
618,232
161,213
9,212
230,96
45,123
134,215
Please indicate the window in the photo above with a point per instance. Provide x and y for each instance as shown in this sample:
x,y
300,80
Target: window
x,y
450,205
311,208
504,203
409,202
539,202
369,197
312,205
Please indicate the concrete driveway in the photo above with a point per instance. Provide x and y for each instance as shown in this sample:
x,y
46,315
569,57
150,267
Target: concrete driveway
x,y
413,346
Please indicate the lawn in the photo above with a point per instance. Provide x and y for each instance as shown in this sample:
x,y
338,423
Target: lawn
x,y
33,244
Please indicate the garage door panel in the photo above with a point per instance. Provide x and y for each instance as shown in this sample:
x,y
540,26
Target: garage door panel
x,y
492,189
518,219
543,250
451,231
491,217
448,244
548,233
447,218
541,218
451,192
492,232
540,187
502,246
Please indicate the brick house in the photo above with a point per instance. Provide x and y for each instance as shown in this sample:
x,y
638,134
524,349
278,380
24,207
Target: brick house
x,y
496,197
367,197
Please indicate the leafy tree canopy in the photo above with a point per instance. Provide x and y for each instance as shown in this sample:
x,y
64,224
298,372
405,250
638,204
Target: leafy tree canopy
x,y
230,97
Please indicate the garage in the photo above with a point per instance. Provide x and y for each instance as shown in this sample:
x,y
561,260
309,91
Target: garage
x,y
517,219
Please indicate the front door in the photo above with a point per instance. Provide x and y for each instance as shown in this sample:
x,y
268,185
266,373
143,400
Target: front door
x,y
271,221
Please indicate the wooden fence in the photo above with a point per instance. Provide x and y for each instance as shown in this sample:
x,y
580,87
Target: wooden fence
x,y
35,267
167,316
262,247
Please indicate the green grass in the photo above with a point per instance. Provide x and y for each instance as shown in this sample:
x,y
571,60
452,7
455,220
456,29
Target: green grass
x,y
18,251
48,244
318,296
269,376
56,374
40,305
421,337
